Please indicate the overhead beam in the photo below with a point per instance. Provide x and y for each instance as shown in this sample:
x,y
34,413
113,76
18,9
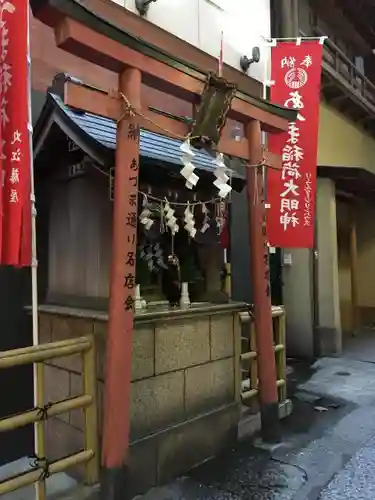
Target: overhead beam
x,y
80,40
361,14
110,105
98,102
334,16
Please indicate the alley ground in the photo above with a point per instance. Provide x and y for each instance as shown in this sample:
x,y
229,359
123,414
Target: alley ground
x,y
328,448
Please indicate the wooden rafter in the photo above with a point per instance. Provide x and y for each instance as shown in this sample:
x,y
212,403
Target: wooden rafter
x,y
362,12
335,14
95,101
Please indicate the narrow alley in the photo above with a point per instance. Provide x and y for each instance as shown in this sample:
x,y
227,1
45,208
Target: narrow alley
x,y
328,447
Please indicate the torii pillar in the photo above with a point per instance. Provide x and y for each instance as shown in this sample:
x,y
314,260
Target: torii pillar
x,y
88,35
260,273
121,294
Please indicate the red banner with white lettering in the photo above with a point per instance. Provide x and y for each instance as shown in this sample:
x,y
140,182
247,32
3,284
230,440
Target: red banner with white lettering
x,y
15,231
295,76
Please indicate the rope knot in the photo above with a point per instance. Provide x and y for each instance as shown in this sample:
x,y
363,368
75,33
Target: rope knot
x,y
128,110
43,411
41,463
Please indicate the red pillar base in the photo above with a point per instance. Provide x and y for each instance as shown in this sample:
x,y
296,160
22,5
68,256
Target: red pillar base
x,y
114,484
271,427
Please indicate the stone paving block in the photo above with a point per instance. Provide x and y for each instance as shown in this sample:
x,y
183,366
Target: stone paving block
x,y
349,380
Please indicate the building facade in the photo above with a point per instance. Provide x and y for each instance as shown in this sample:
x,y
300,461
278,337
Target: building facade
x,y
198,22
328,292
201,23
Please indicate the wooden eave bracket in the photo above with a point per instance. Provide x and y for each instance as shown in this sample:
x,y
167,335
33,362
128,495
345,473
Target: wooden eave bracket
x,y
109,104
271,160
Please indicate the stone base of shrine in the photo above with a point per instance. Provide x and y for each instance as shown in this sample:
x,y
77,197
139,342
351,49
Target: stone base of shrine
x,y
160,458
185,398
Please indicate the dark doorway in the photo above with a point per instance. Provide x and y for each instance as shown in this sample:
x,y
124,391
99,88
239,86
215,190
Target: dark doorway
x,y
276,278
16,384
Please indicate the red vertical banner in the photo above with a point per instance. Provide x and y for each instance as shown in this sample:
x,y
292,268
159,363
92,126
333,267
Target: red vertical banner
x,y
15,146
295,75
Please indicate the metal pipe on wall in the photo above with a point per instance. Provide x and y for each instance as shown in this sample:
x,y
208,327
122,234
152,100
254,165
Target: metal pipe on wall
x,y
287,25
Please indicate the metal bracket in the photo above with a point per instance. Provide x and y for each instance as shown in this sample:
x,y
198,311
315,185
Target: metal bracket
x,y
142,6
246,62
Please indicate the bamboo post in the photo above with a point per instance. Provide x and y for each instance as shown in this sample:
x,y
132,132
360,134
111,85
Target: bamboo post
x,y
237,356
354,271
91,414
228,279
37,354
38,370
280,354
253,371
32,416
29,477
39,427
10,359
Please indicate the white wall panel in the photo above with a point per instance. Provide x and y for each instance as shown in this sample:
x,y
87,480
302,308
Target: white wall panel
x,y
244,23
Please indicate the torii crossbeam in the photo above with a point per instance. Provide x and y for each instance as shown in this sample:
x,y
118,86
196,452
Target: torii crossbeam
x,y
87,31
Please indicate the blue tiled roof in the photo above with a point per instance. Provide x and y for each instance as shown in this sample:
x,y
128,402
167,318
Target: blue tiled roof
x,y
152,146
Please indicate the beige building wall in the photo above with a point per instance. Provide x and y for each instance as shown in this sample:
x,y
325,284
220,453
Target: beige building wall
x,y
366,261
329,321
364,219
298,301
342,144
345,284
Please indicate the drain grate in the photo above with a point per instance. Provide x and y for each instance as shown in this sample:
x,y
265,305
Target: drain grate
x,y
343,374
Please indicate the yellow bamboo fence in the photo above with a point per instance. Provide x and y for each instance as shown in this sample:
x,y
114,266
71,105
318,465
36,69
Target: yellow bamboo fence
x,y
41,469
249,357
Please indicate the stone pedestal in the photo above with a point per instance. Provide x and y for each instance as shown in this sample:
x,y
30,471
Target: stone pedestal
x,y
185,390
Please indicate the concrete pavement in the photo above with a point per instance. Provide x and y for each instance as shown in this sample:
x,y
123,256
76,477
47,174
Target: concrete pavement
x,y
327,453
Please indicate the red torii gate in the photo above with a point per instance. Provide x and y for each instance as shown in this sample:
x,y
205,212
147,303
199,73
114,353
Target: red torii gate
x,y
82,30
